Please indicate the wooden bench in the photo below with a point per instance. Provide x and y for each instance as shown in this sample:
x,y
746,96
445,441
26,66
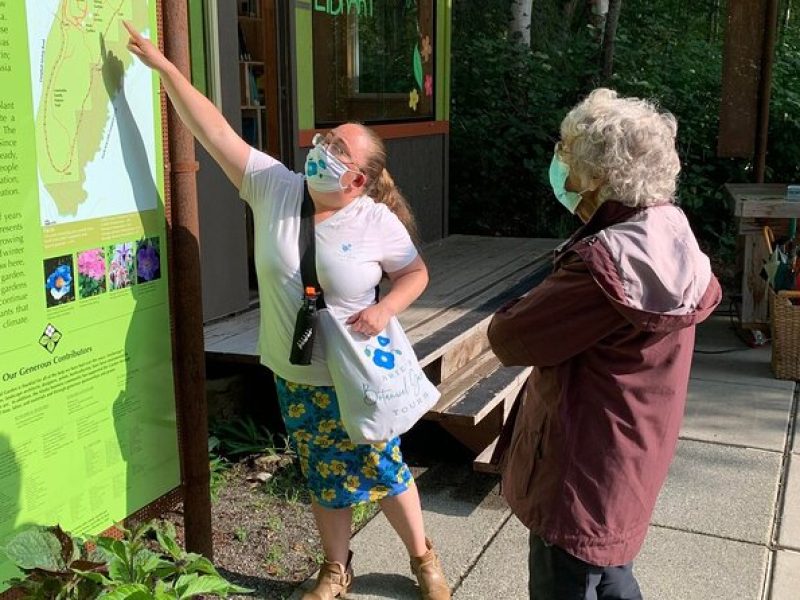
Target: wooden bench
x,y
471,277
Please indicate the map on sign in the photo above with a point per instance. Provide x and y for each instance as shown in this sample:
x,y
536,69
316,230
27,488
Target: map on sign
x,y
92,101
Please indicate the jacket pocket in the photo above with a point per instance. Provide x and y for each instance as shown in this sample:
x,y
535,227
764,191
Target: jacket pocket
x,y
538,451
523,457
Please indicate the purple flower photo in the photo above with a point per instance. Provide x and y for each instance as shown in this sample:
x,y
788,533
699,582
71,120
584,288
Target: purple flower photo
x,y
120,265
148,260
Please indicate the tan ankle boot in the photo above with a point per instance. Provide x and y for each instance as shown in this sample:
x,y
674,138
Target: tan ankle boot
x,y
334,581
432,583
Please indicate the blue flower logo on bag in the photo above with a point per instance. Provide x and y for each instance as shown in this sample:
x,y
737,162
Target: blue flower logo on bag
x,y
383,359
384,341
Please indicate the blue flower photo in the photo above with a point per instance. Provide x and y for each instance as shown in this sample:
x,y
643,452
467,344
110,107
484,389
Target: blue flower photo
x,y
58,280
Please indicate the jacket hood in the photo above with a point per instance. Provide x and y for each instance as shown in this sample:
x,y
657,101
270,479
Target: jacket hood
x,y
648,263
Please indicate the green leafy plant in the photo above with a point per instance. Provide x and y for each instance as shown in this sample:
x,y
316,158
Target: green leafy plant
x,y
218,467
243,437
147,564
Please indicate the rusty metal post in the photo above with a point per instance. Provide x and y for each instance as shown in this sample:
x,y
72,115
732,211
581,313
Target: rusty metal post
x,y
189,357
765,89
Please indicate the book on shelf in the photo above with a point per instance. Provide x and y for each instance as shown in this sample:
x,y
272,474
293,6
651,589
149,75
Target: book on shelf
x,y
250,130
243,53
249,8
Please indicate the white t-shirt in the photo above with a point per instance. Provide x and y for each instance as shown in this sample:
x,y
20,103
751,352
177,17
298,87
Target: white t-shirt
x,y
353,247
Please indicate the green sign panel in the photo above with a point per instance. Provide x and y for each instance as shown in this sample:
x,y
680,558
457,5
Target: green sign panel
x,y
87,407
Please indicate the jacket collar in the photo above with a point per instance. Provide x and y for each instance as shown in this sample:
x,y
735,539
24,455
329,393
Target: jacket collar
x,y
608,213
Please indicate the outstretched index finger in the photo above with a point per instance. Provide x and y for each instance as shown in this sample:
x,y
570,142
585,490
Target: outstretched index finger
x,y
132,31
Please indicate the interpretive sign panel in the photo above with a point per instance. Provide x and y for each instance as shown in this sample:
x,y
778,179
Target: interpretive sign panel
x,y
88,430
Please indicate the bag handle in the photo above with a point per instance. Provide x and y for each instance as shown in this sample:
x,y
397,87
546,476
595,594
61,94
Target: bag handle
x,y
308,252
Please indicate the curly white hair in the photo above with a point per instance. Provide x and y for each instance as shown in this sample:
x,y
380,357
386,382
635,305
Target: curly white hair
x,y
627,144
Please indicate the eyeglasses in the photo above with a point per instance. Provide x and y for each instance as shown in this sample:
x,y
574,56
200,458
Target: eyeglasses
x,y
337,148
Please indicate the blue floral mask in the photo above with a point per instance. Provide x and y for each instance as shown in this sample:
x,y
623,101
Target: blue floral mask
x,y
324,171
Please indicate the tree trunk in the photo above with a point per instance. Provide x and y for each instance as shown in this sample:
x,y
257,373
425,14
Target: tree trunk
x,y
609,38
521,19
599,15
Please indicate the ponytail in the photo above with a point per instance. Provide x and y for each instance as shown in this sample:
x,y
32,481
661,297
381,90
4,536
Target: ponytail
x,y
382,188
385,191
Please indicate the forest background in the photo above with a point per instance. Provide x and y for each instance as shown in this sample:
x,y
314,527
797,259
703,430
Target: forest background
x,y
520,65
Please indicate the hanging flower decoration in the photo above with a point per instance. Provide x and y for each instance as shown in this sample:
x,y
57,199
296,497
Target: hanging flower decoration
x,y
413,99
427,49
428,85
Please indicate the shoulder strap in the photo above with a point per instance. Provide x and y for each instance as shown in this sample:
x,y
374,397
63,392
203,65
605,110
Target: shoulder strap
x,y
307,246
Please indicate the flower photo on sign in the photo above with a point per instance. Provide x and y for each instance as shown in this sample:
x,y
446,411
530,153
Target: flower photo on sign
x,y
120,266
58,280
148,260
91,272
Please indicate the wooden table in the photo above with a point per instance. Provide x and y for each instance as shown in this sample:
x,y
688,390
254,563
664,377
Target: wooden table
x,y
756,205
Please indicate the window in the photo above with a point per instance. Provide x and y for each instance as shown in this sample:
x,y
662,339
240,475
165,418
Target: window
x,y
373,60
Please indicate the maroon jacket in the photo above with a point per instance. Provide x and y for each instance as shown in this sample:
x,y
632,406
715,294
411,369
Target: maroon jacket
x,y
611,334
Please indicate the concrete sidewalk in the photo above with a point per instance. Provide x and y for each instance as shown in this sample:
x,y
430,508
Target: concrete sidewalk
x,y
727,523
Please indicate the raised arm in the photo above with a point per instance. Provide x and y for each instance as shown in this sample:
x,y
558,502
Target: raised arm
x,y
196,111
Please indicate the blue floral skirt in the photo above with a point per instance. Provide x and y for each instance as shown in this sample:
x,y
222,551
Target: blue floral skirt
x,y
339,473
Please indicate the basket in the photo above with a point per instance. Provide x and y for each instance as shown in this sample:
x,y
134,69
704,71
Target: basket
x,y
785,334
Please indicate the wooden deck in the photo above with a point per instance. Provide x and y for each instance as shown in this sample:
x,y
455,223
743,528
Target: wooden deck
x,y
470,277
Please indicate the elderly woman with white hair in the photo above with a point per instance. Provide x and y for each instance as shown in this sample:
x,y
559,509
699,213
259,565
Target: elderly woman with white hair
x,y
611,334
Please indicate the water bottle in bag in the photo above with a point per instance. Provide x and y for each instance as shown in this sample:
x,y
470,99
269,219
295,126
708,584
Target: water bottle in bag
x,y
305,329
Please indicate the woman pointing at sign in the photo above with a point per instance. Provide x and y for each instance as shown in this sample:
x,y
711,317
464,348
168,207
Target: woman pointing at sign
x,y
362,223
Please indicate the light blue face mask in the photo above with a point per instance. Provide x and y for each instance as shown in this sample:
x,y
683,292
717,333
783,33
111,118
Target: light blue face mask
x,y
559,172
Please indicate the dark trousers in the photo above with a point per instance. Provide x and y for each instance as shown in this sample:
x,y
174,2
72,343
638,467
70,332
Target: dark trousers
x,y
557,575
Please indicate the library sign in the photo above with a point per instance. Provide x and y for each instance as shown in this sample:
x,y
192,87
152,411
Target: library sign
x,y
360,8
87,405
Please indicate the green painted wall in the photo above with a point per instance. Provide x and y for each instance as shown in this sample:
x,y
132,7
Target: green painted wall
x,y
443,34
197,44
304,55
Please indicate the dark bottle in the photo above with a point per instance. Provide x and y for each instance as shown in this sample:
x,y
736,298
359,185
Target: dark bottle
x,y
305,329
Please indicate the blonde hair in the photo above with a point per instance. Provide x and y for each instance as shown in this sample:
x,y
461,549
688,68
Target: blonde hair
x,y
626,143
380,185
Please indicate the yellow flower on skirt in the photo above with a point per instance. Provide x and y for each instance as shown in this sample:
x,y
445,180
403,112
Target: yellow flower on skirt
x,y
338,467
352,483
372,459
401,476
301,435
324,469
378,493
321,399
303,450
327,426
396,456
329,495
297,410
345,446
323,441
369,472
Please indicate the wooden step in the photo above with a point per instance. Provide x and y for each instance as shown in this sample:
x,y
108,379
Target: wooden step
x,y
502,385
447,347
459,384
485,461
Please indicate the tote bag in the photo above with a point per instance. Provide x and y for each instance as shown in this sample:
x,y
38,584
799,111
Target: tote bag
x,y
381,388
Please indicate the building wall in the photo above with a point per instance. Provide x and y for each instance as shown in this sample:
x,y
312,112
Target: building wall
x,y
223,247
